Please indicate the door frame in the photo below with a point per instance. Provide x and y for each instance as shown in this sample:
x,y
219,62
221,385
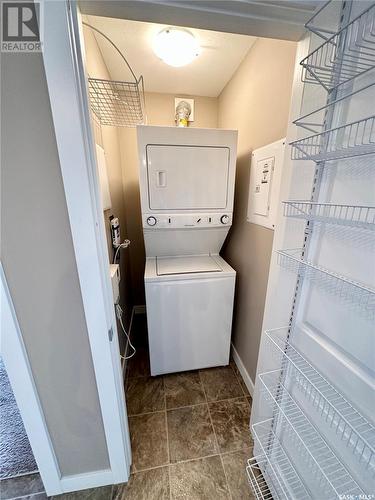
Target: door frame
x,y
67,88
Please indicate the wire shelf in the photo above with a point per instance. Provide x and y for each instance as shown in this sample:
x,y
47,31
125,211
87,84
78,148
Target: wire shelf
x,y
353,430
258,483
287,482
314,121
349,291
346,55
319,30
331,477
345,215
117,103
354,139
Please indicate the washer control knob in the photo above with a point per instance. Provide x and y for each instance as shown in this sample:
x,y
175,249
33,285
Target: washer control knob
x,y
151,221
224,219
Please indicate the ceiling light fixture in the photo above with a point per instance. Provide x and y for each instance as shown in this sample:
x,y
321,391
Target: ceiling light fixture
x,y
176,47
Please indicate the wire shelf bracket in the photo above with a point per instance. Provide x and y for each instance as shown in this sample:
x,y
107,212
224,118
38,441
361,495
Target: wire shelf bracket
x,y
358,216
354,139
117,103
344,56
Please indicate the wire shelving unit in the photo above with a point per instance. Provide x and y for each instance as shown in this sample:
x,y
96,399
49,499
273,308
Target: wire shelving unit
x,y
117,103
355,432
316,438
344,56
353,139
331,477
286,481
332,213
334,283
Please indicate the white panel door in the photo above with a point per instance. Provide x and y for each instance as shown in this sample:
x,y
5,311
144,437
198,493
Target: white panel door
x,y
187,177
315,387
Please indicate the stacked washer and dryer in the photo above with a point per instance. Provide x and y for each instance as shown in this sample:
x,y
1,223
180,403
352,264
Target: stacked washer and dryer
x,y
187,180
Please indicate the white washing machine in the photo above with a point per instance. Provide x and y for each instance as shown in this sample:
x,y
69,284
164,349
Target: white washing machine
x,y
187,186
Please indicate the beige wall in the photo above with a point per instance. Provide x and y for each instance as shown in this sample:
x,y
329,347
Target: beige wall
x,y
38,258
256,102
160,111
108,138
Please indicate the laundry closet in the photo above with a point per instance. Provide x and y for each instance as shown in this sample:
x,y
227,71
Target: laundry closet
x,y
223,160
179,188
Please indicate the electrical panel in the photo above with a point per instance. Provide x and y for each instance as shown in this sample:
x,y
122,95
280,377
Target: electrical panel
x,y
265,177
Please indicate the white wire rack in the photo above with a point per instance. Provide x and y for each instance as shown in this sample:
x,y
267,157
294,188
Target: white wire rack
x,y
318,29
117,103
256,467
349,291
286,482
345,215
355,432
353,139
331,477
344,56
314,121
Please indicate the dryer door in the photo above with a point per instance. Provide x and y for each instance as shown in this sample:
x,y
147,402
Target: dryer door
x,y
187,177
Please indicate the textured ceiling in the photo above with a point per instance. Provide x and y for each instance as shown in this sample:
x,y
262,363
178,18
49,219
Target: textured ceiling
x,y
206,76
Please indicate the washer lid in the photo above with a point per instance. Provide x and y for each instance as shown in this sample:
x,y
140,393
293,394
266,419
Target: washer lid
x,y
186,265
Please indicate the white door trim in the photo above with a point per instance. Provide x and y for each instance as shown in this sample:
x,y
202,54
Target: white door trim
x,y
67,89
18,369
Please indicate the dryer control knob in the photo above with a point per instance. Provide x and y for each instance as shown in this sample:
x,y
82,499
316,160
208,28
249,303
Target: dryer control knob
x,y
151,221
224,219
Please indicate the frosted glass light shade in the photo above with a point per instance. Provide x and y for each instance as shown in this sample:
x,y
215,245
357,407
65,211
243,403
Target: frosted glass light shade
x,y
176,47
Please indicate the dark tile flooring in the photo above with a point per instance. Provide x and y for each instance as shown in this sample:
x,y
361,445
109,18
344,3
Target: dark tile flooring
x,y
189,433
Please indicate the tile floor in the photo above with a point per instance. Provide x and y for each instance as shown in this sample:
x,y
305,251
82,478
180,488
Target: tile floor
x,y
189,434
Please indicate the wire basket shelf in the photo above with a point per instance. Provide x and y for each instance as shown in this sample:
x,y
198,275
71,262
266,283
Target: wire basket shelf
x,y
344,215
287,482
353,430
331,477
349,291
346,55
354,139
261,478
314,121
318,29
117,103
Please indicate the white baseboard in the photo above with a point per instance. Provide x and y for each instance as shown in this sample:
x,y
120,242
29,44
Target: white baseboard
x,y
244,373
78,482
140,309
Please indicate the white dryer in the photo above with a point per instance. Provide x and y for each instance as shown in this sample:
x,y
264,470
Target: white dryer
x,y
187,186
